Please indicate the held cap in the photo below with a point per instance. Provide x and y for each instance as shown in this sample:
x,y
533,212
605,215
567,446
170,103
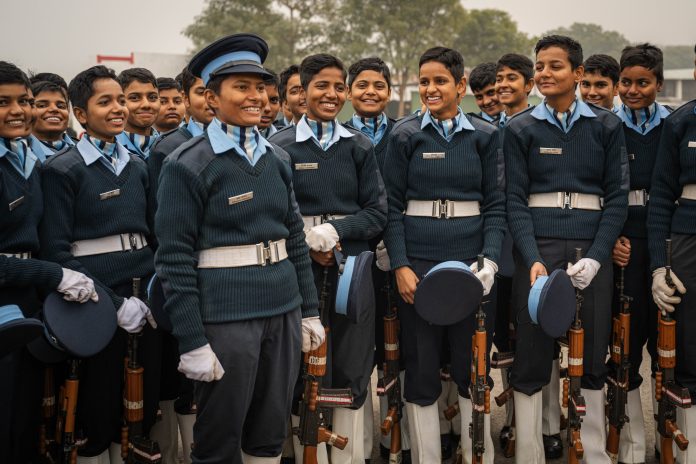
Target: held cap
x,y
551,303
355,296
16,330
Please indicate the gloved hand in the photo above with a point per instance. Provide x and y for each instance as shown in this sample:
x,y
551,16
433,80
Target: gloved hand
x,y
322,237
582,272
75,286
663,294
383,263
133,314
201,364
313,333
485,275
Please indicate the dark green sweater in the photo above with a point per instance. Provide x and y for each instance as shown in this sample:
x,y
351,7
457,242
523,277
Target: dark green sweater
x,y
163,147
194,214
675,167
593,161
469,171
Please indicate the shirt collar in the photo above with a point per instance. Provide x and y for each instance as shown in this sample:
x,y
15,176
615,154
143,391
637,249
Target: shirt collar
x,y
138,144
270,130
90,154
643,120
221,142
462,123
304,132
487,117
30,158
373,128
542,113
195,128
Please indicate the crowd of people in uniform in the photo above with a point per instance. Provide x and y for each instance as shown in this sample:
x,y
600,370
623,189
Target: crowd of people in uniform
x,y
238,187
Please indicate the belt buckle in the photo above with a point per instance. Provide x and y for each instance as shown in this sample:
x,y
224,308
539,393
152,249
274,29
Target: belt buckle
x,y
267,254
133,242
567,202
441,209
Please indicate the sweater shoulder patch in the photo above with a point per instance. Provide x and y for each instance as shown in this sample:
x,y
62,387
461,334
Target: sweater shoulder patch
x,y
168,142
280,153
481,124
359,138
521,120
284,136
686,110
67,160
195,155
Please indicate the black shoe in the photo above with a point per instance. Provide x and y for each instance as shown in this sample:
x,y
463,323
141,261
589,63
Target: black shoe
x,y
405,456
446,446
504,436
287,460
553,446
383,451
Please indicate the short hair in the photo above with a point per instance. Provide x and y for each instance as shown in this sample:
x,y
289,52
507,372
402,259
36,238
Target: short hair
x,y
645,55
11,74
285,76
49,77
314,64
372,63
179,80
271,80
517,62
571,46
47,86
188,80
482,76
81,88
167,83
451,59
141,75
603,65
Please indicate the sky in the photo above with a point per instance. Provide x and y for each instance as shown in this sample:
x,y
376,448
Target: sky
x,y
64,36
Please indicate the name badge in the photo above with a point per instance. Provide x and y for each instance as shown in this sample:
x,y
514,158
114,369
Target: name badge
x,y
434,156
631,157
109,194
306,166
16,203
692,144
550,151
240,198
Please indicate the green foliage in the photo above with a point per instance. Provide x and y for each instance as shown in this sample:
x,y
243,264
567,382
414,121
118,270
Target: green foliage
x,y
594,39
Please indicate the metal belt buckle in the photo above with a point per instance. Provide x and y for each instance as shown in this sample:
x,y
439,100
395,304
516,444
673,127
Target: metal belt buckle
x,y
442,209
267,254
567,203
133,241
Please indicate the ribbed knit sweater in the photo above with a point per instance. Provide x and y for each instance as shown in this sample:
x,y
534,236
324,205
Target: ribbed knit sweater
x,y
346,181
381,147
195,214
675,167
642,151
465,169
74,211
22,203
163,147
593,161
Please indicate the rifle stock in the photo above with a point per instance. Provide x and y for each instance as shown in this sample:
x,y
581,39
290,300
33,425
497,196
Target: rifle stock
x,y
572,396
479,388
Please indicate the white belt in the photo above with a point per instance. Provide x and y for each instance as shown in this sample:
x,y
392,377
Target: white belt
x,y
443,209
689,192
638,197
570,200
23,255
243,255
311,221
110,244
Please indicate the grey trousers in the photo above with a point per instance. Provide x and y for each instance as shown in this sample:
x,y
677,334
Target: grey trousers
x,y
247,408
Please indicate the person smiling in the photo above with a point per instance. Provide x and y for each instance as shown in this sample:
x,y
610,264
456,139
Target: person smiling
x,y
172,108
600,80
51,115
441,155
482,84
514,80
143,102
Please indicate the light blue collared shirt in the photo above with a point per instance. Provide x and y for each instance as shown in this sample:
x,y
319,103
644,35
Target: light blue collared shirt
x,y
304,132
542,113
90,154
30,159
195,128
222,142
374,135
462,124
487,117
267,132
43,151
124,139
657,114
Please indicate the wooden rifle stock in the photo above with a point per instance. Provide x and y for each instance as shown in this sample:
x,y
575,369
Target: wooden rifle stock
x,y
572,397
479,389
69,408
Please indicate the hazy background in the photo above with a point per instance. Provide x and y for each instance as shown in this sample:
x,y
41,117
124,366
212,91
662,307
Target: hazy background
x,y
64,36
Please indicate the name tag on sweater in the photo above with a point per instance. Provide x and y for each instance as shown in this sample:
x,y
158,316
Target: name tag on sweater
x,y
692,144
550,151
16,203
109,194
631,157
306,166
434,156
240,198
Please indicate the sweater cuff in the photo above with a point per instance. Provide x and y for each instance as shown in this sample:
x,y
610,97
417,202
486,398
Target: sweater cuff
x,y
309,311
398,261
53,275
191,342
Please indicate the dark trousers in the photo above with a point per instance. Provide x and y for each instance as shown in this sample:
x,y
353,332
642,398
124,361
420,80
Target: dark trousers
x,y
100,396
684,266
643,329
535,350
504,322
422,348
247,408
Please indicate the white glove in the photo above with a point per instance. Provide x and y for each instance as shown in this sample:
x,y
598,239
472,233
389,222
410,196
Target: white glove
x,y
133,314
663,294
75,286
582,272
485,275
201,364
383,263
313,333
322,237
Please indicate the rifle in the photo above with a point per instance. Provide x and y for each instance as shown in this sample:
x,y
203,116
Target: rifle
x,y
572,397
135,446
479,389
390,384
313,427
48,415
668,394
501,400
617,391
66,427
504,360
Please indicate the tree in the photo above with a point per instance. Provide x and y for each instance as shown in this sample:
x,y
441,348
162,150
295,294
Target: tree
x,y
488,34
678,56
594,39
